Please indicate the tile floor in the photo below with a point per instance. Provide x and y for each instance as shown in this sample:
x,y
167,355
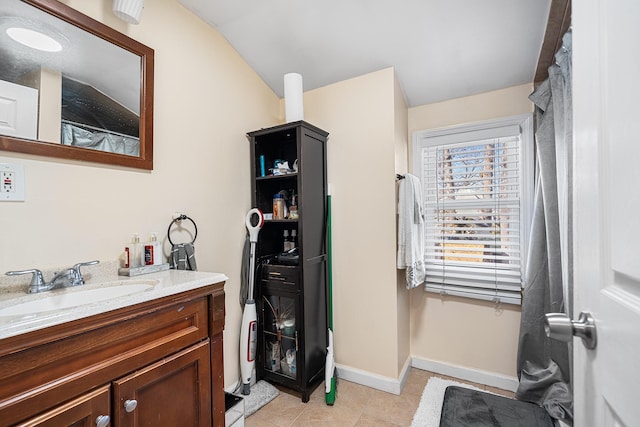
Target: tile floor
x,y
356,405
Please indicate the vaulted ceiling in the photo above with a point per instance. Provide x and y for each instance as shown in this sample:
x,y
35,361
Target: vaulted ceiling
x,y
440,49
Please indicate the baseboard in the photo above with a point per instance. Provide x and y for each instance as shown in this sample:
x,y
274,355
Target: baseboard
x,y
369,379
235,387
395,385
492,379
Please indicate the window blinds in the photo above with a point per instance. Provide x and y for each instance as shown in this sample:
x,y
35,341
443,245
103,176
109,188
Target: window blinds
x,y
472,186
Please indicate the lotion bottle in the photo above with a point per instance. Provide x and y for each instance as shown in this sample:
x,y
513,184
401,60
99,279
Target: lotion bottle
x,y
134,253
153,251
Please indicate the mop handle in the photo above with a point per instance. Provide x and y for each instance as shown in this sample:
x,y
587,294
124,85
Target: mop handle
x,y
254,230
252,270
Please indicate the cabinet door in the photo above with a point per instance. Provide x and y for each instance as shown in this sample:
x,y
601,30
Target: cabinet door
x,y
279,334
175,391
88,410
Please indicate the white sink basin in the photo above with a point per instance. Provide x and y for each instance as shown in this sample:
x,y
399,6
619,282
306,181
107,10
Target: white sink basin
x,y
74,297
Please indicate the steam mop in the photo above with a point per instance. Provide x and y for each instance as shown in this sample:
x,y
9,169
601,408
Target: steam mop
x,y
249,328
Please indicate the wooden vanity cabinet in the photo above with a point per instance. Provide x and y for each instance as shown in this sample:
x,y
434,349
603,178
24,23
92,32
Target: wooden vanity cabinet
x,y
158,363
87,410
178,389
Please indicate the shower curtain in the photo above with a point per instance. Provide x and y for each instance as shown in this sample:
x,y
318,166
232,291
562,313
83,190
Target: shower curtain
x,y
544,365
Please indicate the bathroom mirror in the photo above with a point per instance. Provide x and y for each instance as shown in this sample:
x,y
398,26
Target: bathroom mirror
x,y
87,94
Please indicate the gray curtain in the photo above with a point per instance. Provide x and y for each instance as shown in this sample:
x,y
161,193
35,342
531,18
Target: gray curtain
x,y
100,140
544,365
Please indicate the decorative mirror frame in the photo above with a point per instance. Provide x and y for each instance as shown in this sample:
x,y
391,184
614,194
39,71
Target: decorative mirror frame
x,y
41,148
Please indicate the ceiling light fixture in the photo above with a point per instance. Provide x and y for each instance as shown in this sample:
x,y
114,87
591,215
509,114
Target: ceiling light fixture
x,y
34,39
128,10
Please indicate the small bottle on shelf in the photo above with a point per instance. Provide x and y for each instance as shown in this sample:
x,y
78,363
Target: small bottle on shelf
x,y
293,212
294,239
293,209
285,241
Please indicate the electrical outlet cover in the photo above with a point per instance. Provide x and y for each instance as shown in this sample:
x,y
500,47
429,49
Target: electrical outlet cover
x,y
11,182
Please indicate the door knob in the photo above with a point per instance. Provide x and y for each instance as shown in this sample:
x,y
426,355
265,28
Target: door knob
x,y
130,405
102,420
559,326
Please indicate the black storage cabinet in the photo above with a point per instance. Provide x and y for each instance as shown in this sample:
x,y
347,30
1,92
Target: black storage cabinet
x,y
291,299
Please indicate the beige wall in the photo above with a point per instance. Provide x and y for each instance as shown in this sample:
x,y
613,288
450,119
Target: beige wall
x,y
500,103
359,114
50,105
206,99
401,166
459,331
49,85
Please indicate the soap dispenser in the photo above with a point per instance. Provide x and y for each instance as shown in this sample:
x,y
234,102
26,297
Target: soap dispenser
x,y
133,253
153,251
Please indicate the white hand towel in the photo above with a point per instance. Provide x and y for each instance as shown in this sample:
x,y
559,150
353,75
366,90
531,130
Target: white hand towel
x,y
411,245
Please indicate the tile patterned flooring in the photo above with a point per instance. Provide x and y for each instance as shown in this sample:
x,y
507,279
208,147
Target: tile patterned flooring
x,y
356,405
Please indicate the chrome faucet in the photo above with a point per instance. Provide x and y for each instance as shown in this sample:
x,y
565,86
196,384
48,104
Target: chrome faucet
x,y
65,278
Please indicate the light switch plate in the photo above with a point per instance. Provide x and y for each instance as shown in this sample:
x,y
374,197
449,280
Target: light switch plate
x,y
11,182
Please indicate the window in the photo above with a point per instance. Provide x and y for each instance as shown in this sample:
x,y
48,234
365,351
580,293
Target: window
x,y
478,189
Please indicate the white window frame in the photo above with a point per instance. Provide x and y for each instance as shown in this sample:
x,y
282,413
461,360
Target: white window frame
x,y
470,132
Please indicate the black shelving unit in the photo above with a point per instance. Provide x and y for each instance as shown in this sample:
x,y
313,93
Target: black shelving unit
x,y
291,298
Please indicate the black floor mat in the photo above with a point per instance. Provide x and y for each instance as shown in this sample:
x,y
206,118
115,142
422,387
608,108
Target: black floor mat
x,y
463,407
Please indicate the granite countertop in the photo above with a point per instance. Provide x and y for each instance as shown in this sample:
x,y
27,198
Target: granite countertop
x,y
159,285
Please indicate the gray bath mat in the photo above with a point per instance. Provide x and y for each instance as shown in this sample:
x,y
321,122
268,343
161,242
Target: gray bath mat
x,y
261,393
464,407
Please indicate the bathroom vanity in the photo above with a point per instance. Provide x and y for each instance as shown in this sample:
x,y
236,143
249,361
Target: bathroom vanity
x,y
152,358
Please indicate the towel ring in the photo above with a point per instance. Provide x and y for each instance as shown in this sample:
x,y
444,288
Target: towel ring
x,y
176,220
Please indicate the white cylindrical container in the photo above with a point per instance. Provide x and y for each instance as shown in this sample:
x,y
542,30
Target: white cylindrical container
x,y
293,107
128,10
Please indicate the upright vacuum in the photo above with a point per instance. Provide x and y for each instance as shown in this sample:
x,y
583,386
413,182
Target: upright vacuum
x,y
249,328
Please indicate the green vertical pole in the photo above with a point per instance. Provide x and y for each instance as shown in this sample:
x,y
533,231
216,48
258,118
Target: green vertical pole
x,y
330,397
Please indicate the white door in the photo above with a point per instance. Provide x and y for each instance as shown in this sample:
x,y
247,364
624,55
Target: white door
x,y
18,110
606,103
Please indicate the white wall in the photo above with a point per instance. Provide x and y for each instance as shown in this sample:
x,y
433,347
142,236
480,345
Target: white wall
x,y
206,99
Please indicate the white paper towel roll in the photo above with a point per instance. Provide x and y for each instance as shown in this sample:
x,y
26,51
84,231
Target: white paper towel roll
x,y
293,108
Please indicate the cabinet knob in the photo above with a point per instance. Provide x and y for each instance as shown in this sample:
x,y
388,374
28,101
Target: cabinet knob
x,y
130,405
102,420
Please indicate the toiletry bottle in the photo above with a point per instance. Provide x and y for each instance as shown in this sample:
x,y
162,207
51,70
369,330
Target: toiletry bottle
x,y
294,239
151,253
157,249
262,166
285,241
127,257
139,252
278,206
293,208
133,257
128,254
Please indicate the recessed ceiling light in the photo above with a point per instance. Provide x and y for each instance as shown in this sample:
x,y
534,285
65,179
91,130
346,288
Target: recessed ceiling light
x,y
34,39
